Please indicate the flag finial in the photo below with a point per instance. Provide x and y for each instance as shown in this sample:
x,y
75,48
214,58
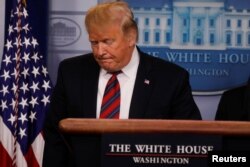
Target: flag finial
x,y
24,3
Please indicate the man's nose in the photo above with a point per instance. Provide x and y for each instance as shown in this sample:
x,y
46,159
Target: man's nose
x,y
101,49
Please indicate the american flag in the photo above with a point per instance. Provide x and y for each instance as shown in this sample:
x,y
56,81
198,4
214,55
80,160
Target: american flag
x,y
25,90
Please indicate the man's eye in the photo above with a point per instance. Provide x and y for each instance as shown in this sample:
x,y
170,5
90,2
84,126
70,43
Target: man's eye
x,y
93,43
108,41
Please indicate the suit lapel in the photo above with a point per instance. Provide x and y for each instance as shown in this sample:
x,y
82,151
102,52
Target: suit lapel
x,y
142,88
89,84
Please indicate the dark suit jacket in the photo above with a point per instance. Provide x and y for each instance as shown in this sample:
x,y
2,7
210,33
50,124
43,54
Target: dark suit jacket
x,y
235,104
167,96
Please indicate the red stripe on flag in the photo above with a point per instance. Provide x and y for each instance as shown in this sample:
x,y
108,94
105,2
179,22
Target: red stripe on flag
x,y
31,159
5,160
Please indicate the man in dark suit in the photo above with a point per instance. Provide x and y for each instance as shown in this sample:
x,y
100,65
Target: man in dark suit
x,y
150,88
235,104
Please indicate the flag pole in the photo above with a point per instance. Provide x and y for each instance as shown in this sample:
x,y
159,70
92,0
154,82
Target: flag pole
x,y
24,3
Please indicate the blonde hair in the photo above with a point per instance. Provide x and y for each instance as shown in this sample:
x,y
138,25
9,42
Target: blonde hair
x,y
109,13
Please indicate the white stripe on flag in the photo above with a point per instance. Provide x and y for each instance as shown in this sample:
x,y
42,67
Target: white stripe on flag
x,y
6,138
21,161
38,146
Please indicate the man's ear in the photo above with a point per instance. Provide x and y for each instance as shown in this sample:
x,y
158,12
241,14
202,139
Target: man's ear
x,y
131,37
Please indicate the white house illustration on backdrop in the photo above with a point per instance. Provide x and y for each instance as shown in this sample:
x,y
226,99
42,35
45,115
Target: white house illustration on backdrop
x,y
193,24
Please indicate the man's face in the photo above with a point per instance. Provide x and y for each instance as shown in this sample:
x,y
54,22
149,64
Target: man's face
x,y
111,48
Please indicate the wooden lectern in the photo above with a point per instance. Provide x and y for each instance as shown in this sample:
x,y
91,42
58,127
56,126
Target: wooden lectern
x,y
102,126
234,135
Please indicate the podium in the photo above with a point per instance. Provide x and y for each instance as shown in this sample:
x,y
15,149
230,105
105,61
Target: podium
x,y
145,142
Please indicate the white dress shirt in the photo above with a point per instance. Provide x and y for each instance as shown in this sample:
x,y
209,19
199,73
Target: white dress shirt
x,y
127,82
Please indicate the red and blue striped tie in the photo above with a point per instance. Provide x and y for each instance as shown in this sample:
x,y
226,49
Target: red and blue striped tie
x,y
110,107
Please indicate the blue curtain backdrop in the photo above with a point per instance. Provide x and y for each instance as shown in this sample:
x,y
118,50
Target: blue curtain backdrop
x,y
39,12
